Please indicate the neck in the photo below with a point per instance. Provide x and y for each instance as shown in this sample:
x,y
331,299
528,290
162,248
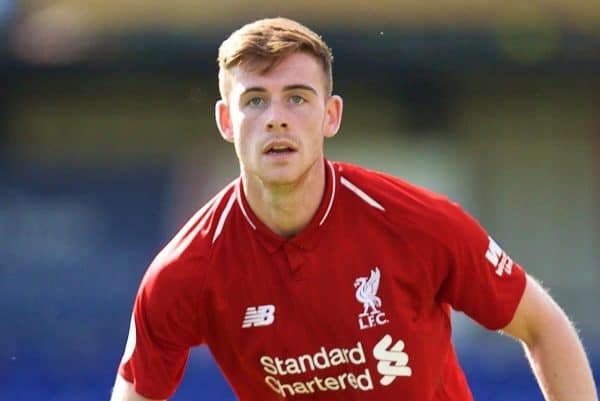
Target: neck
x,y
286,209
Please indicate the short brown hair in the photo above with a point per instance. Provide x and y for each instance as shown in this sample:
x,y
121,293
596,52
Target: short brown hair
x,y
263,44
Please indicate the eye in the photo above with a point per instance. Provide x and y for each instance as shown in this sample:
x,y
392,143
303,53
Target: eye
x,y
255,101
296,99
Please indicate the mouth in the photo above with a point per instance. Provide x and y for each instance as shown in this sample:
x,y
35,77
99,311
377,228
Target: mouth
x,y
279,149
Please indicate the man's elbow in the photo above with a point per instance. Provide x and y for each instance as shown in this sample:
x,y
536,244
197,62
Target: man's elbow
x,y
124,391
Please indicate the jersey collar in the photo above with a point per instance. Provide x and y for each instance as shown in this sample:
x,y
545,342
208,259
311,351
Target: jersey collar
x,y
307,238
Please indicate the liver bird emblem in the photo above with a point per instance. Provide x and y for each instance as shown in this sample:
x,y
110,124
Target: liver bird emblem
x,y
366,292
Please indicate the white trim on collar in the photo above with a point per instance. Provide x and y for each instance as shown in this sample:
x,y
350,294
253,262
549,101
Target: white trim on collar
x,y
241,203
223,217
333,188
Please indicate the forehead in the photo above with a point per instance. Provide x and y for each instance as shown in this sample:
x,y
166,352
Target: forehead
x,y
295,69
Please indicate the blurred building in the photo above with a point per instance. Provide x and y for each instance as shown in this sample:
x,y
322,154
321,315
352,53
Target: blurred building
x,y
108,143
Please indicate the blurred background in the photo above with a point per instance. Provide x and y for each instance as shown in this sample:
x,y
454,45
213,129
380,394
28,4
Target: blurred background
x,y
108,143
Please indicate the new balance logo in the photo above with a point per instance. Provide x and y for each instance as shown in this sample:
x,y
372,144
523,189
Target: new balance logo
x,y
498,258
393,361
263,315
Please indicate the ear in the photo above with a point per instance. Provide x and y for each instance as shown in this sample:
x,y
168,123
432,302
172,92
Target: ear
x,y
223,118
333,116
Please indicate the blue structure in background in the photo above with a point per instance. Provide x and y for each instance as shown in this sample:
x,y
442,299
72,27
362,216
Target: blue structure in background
x,y
7,9
74,246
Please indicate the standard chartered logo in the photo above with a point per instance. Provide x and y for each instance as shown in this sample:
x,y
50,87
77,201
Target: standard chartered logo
x,y
393,361
323,359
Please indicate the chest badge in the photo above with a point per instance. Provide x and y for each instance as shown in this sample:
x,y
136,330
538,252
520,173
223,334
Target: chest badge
x,y
366,293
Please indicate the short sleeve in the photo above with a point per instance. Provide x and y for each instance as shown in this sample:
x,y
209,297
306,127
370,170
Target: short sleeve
x,y
481,280
164,326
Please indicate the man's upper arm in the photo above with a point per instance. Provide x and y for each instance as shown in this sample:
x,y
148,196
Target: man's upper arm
x,y
165,325
535,313
124,391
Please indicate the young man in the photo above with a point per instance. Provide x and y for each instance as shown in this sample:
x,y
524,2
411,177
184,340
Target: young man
x,y
312,279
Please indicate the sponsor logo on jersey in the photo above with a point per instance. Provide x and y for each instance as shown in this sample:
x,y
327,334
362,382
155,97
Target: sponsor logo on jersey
x,y
262,315
392,362
366,293
498,258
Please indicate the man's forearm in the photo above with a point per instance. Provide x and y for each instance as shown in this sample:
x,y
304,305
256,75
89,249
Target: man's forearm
x,y
561,366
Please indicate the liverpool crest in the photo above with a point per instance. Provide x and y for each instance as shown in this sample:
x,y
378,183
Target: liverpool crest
x,y
366,293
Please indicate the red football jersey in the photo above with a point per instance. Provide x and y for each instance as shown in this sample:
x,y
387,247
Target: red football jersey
x,y
354,307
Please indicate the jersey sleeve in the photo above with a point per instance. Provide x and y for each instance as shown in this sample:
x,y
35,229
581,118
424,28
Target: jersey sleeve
x,y
482,280
164,326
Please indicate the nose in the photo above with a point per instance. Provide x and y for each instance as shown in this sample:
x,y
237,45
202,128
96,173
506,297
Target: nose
x,y
275,124
276,120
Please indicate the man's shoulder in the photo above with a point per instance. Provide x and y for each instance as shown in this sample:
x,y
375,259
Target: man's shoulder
x,y
404,205
190,249
389,189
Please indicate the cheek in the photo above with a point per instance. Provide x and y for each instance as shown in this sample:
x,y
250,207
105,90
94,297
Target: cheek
x,y
316,123
244,134
247,122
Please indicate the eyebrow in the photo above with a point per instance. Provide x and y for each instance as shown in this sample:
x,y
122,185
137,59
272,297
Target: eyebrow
x,y
286,88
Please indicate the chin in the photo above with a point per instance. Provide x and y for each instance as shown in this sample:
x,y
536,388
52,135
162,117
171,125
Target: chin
x,y
279,175
279,179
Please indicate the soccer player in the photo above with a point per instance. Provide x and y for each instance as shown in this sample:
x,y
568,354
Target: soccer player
x,y
310,279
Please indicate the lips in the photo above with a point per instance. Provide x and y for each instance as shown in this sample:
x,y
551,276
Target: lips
x,y
279,147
